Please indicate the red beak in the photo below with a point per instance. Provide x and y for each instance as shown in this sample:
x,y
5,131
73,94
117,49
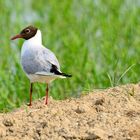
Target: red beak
x,y
17,36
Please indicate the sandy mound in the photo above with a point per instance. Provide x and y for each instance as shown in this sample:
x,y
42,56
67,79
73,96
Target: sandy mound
x,y
103,114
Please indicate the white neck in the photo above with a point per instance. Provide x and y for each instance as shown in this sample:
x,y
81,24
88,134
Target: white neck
x,y
36,40
32,43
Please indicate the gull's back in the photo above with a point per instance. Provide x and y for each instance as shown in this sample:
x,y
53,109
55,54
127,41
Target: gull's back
x,y
38,59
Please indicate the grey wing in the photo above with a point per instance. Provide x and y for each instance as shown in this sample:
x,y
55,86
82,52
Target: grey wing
x,y
39,62
49,56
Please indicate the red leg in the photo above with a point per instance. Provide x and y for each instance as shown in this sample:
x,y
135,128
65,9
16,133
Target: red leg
x,y
47,90
31,90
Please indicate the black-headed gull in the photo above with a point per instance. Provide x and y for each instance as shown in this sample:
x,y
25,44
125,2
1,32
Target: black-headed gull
x,y
39,63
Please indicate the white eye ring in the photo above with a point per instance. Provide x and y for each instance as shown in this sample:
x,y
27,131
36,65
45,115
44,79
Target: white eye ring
x,y
27,30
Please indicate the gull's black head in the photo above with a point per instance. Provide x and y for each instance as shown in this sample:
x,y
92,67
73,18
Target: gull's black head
x,y
26,33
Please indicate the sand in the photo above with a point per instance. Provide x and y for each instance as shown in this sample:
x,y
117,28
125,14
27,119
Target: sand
x,y
111,114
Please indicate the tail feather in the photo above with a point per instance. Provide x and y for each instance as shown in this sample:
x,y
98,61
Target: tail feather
x,y
66,75
57,72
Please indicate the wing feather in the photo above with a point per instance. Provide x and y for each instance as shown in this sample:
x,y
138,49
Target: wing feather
x,y
38,61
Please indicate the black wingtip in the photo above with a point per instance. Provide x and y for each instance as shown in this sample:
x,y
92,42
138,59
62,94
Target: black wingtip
x,y
66,75
57,72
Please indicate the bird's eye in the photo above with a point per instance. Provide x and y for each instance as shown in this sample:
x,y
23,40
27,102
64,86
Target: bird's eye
x,y
27,31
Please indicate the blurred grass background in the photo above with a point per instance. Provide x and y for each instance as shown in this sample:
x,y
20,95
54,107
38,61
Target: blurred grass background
x,y
97,41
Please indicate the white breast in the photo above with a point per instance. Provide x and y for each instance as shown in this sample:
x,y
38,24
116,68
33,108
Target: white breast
x,y
41,79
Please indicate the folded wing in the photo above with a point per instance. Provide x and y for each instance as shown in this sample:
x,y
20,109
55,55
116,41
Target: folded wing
x,y
40,62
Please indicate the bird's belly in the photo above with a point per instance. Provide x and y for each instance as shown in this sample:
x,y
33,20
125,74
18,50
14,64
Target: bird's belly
x,y
40,78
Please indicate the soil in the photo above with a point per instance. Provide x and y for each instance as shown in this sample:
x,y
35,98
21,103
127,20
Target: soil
x,y
111,114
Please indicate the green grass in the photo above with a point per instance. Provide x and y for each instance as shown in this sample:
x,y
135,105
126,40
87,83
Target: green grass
x,y
97,41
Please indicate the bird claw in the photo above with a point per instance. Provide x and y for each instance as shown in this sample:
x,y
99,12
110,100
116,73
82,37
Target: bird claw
x,y
29,104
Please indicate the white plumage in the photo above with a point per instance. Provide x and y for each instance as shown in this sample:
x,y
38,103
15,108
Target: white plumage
x,y
39,63
37,60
